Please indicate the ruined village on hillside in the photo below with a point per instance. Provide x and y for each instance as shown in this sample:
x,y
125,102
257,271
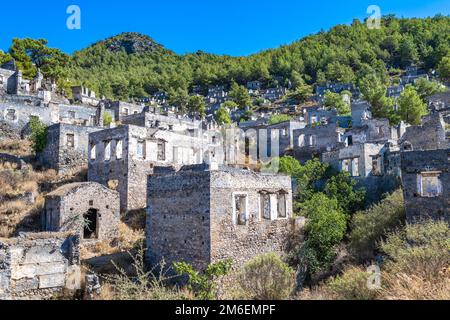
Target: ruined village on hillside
x,y
202,192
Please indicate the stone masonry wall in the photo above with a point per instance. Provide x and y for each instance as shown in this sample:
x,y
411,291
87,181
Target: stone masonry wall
x,y
37,266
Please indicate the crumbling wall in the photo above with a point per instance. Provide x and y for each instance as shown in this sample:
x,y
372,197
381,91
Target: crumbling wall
x,y
38,266
414,163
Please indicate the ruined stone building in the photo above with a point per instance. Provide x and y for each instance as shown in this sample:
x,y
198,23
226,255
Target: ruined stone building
x,y
67,147
425,165
374,130
311,141
439,102
39,265
124,156
202,215
88,209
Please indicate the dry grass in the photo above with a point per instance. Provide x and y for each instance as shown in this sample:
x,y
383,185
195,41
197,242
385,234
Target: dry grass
x,y
20,148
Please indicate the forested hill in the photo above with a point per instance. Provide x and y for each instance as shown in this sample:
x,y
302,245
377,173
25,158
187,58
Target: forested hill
x,y
133,65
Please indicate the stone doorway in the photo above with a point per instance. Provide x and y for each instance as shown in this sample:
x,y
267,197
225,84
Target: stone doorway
x,y
90,224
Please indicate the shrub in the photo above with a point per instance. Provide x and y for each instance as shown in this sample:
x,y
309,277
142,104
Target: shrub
x,y
351,285
324,230
278,118
203,284
267,277
107,119
372,225
418,262
143,285
38,134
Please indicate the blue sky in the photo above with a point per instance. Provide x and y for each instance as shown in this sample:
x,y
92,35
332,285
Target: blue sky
x,y
224,27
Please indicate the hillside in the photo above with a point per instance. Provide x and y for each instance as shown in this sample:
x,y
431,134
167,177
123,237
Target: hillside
x,y
133,65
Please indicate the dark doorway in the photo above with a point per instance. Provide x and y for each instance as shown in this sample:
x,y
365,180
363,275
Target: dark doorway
x,y
90,224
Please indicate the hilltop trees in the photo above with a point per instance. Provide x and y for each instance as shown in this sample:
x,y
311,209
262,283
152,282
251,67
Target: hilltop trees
x,y
336,100
444,68
31,54
222,115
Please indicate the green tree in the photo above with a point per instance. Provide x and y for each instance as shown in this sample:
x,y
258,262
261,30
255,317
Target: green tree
x,y
203,284
426,88
411,107
197,105
240,95
444,68
222,115
31,54
324,230
4,57
374,92
335,100
179,98
301,93
343,188
38,134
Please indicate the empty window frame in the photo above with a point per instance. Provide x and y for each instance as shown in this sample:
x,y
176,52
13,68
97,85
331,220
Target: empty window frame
x,y
11,114
70,140
265,211
119,149
161,151
140,149
107,145
429,184
240,213
92,151
71,114
281,205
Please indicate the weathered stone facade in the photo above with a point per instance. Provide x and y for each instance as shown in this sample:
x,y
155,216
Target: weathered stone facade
x,y
87,209
201,216
312,141
67,147
425,164
37,266
127,154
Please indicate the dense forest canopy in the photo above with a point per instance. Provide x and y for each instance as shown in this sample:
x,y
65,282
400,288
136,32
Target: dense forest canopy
x,y
133,65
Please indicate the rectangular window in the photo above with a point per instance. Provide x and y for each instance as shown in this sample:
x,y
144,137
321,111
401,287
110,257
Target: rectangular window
x,y
161,151
107,145
92,152
92,120
281,205
71,114
355,167
429,184
11,114
126,111
70,140
140,149
240,209
119,151
376,166
265,206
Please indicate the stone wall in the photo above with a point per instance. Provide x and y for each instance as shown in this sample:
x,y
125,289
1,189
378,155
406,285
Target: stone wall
x,y
413,164
67,206
191,216
38,266
67,147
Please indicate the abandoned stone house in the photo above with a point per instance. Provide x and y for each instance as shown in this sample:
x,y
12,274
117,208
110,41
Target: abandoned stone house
x,y
254,85
360,110
374,130
425,165
151,119
85,96
39,265
439,102
124,156
201,215
88,209
67,147
311,141
120,110
273,94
